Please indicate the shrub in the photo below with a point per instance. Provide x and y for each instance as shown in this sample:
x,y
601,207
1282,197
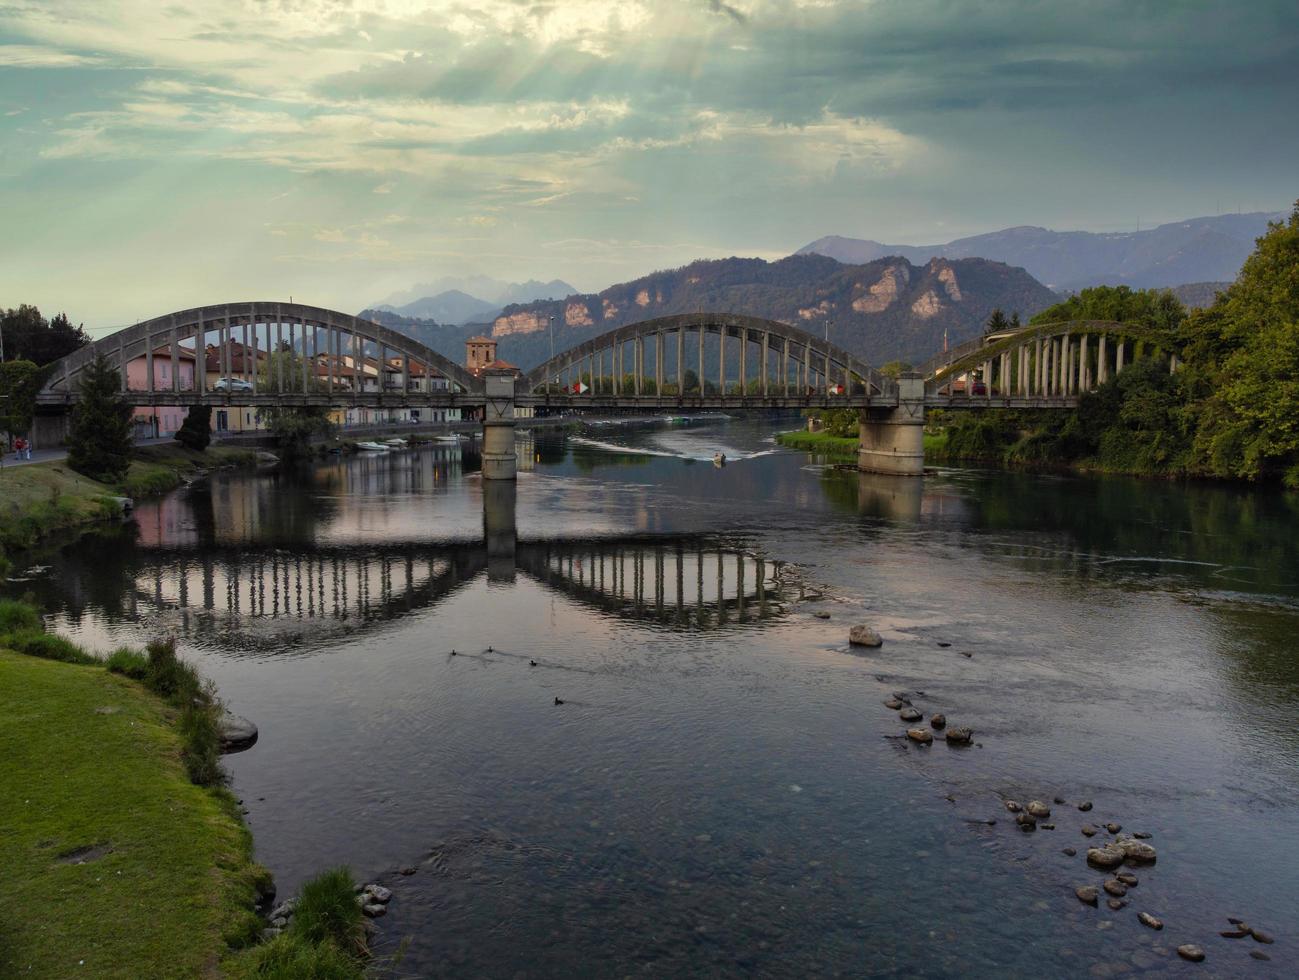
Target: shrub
x,y
170,677
128,662
328,912
48,646
290,957
201,743
15,615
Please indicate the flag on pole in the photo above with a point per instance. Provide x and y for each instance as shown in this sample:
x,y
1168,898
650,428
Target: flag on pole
x,y
579,388
836,389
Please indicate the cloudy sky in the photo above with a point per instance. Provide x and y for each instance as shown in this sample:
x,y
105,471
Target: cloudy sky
x,y
156,156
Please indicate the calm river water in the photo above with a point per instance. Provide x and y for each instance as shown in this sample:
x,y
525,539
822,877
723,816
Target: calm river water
x,y
723,791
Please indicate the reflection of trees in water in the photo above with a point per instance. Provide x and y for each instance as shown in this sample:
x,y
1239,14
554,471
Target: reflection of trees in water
x,y
1226,537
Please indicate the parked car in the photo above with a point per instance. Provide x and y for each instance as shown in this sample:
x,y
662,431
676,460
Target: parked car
x,y
232,384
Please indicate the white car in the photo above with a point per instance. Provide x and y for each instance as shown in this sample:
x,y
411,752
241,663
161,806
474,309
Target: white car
x,y
232,384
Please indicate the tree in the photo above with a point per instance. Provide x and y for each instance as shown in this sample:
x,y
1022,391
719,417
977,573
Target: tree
x,y
894,369
196,431
29,337
997,323
292,426
19,383
99,445
1242,357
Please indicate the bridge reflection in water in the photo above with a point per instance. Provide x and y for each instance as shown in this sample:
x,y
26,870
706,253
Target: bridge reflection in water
x,y
256,599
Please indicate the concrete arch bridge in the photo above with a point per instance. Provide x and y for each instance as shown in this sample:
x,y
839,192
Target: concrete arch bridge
x,y
698,361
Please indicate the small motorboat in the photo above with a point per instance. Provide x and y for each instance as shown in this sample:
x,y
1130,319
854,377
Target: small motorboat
x,y
395,443
449,438
372,447
719,458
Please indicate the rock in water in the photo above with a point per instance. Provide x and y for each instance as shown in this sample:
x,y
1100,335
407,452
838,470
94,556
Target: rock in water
x,y
378,893
236,733
1088,830
1039,809
1128,878
1113,828
1258,954
959,736
1087,894
938,721
821,614
1261,937
920,735
1108,856
1146,919
1084,807
1234,933
910,714
893,704
1135,850
1115,887
1116,903
862,635
1026,822
1190,951
1069,852
374,909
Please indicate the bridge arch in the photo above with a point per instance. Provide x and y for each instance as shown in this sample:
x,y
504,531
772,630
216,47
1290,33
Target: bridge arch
x,y
1048,360
311,330
818,364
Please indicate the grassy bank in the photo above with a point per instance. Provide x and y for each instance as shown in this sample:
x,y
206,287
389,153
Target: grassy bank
x,y
42,498
844,448
165,880
821,443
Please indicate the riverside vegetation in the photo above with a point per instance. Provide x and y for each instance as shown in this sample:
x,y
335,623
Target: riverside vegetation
x,y
115,813
1231,410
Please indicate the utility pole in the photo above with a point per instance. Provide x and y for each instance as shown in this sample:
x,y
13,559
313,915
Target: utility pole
x,y
552,338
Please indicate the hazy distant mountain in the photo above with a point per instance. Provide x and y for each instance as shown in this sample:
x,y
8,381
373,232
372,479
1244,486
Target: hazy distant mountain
x,y
451,306
1196,250
882,310
445,299
1198,294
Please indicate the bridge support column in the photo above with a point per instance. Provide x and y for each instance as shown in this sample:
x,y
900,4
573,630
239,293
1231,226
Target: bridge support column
x,y
894,442
499,531
499,462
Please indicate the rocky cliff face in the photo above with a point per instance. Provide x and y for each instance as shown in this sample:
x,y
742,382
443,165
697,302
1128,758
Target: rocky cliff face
x,y
882,310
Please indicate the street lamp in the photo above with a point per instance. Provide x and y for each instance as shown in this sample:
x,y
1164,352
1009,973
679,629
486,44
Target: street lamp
x,y
552,338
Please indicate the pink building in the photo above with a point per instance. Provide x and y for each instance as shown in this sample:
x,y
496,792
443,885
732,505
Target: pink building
x,y
162,420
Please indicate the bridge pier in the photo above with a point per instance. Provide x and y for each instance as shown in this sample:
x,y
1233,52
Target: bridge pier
x,y
894,442
499,462
499,530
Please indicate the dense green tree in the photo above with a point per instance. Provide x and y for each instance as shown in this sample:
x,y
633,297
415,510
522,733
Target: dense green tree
x,y
19,383
196,431
997,322
99,443
28,336
1156,308
293,426
894,369
1242,357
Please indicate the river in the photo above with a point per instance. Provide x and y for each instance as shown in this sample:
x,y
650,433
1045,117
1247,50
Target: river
x,y
722,790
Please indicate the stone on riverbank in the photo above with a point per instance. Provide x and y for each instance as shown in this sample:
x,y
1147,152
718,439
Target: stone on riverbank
x,y
236,733
862,635
920,735
910,714
374,909
959,736
1085,806
1190,951
1039,809
1128,878
938,721
1115,887
893,704
1088,895
1088,830
1261,937
1013,807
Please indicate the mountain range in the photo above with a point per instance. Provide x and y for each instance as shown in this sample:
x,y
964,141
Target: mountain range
x,y
1195,250
470,299
883,310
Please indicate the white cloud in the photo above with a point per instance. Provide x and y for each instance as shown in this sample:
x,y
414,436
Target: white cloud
x,y
37,56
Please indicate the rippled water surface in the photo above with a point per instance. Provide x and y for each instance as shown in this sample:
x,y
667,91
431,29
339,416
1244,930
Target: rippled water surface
x,y
722,790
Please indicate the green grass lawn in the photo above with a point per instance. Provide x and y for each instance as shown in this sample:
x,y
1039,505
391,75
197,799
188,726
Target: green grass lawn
x,y
824,444
90,760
